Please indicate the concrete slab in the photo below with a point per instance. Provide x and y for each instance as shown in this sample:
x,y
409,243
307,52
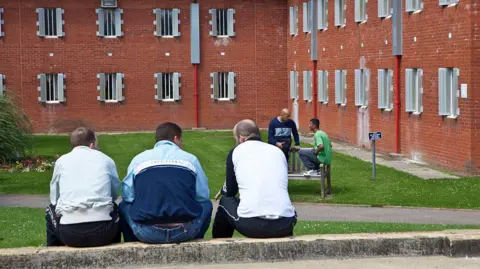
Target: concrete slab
x,y
398,163
249,250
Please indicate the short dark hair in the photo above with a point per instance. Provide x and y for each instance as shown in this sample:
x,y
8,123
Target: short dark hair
x,y
168,131
82,136
315,122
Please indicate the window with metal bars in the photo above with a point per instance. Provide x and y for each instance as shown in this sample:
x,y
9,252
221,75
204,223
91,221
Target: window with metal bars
x,y
50,22
167,86
52,87
109,22
111,87
223,86
1,23
448,92
222,22
167,22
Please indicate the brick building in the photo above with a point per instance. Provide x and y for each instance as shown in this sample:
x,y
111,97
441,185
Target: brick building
x,y
128,68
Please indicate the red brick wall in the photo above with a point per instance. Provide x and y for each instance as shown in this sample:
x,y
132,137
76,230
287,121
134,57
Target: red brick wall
x,y
428,137
257,54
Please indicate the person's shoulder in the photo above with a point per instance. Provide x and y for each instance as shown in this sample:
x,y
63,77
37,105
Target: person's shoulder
x,y
186,156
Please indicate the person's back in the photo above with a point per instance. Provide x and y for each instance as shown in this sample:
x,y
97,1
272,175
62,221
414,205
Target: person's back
x,y
165,193
321,138
262,177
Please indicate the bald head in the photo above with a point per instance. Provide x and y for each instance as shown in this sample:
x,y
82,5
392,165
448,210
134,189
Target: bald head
x,y
284,115
245,129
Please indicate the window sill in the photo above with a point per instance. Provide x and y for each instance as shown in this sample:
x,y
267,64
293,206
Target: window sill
x,y
52,102
223,36
51,37
343,104
386,109
416,113
110,37
167,36
110,101
452,117
224,99
168,100
415,11
323,102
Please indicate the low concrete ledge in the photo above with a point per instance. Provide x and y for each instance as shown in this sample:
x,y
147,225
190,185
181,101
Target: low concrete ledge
x,y
449,243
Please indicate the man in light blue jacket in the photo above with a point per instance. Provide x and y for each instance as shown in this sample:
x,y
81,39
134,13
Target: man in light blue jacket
x,y
83,191
165,193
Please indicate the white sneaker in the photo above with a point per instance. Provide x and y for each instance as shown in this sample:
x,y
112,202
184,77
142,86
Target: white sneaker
x,y
310,173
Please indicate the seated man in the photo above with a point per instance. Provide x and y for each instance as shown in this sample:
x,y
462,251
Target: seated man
x,y
259,172
165,193
83,191
280,131
321,152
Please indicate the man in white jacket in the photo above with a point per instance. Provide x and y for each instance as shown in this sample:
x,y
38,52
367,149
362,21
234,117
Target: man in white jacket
x,y
83,191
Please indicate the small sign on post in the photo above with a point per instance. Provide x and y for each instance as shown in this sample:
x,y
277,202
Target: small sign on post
x,y
373,137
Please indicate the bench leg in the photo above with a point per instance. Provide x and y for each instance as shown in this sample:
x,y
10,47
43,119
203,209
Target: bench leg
x,y
329,180
322,182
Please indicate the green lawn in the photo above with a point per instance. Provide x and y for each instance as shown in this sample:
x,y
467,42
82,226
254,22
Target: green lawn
x,y
22,227
351,178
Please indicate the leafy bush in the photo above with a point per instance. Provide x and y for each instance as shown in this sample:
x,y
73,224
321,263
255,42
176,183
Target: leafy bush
x,y
15,131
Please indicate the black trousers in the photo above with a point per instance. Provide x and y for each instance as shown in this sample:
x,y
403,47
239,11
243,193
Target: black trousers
x,y
227,221
287,145
89,234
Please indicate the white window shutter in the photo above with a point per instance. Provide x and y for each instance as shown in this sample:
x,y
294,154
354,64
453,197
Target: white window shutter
x,y
231,22
305,85
60,22
409,5
344,86
358,87
358,8
231,85
41,22
158,86
43,88
175,22
420,90
293,85
381,88
338,86
292,20
101,87
389,91
213,22
305,17
119,87
157,22
442,92
101,22
382,8
456,92
366,80
176,86
320,89
61,88
409,90
338,9
325,86
2,87
444,2
295,20
118,22
320,14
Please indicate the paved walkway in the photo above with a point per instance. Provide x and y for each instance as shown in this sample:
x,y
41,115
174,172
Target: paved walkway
x,y
403,164
324,212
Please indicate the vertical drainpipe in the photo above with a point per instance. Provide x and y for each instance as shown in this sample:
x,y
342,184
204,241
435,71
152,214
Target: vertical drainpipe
x,y
195,52
397,52
313,54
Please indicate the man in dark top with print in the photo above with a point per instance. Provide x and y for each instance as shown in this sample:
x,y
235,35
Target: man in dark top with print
x,y
280,132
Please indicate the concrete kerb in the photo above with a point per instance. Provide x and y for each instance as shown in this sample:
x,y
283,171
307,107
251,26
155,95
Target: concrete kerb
x,y
447,243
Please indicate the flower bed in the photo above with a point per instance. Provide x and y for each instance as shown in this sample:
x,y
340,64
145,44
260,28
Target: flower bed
x,y
31,164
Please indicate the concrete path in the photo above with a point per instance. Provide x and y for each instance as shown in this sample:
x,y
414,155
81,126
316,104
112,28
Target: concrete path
x,y
384,263
324,212
402,164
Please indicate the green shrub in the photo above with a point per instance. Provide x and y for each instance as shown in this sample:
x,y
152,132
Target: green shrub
x,y
15,131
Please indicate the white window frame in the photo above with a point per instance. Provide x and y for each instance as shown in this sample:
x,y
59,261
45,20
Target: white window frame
x,y
361,15
166,22
52,88
448,92
223,86
109,22
340,13
227,16
385,89
307,17
307,86
293,16
323,86
294,85
413,6
362,82
448,3
385,8
2,84
414,90
167,87
113,86
50,22
2,22
323,15
341,87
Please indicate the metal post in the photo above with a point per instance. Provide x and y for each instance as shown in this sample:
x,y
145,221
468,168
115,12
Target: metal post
x,y
374,173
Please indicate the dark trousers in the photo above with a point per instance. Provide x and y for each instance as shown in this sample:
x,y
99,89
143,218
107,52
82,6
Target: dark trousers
x,y
89,234
227,221
287,145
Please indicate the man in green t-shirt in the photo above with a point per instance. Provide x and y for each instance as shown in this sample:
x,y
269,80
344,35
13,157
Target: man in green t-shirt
x,y
321,152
